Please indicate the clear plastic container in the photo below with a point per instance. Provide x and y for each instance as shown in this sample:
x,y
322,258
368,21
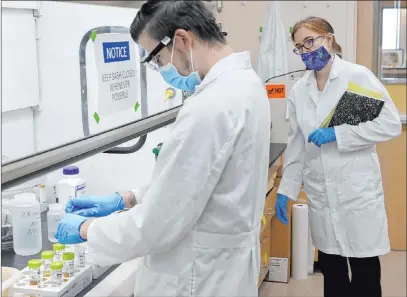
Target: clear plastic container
x,y
59,249
56,272
6,225
47,258
26,217
80,255
70,186
54,215
34,267
69,264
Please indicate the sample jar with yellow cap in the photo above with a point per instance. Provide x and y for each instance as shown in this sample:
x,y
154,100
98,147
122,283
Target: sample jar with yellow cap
x,y
34,267
58,251
56,272
69,263
47,257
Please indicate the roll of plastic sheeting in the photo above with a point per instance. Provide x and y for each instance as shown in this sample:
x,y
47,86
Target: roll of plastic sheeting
x,y
299,268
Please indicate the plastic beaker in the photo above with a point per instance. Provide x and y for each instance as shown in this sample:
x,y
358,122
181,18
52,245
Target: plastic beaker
x,y
26,217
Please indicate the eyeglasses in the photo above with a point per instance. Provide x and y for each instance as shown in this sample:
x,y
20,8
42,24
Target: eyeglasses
x,y
152,60
308,44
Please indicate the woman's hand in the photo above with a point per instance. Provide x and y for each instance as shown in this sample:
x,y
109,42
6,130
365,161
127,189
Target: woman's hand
x,y
322,136
281,208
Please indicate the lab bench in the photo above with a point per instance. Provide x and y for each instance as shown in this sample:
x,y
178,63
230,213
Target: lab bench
x,y
10,259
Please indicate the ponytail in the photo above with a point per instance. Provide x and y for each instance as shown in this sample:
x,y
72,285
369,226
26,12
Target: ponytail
x,y
337,49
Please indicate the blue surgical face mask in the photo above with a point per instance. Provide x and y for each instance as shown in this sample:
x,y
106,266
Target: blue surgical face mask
x,y
175,79
316,60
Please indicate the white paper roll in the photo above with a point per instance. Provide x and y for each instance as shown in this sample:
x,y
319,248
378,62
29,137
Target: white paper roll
x,y
311,252
299,266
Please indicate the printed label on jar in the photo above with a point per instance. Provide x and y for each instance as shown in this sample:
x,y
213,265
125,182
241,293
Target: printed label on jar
x,y
80,190
57,256
81,260
35,276
57,277
69,268
45,265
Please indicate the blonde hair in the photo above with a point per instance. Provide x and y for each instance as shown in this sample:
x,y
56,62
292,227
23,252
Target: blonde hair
x,y
321,26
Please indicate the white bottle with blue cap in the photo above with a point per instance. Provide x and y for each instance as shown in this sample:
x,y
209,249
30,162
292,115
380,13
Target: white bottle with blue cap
x,y
70,186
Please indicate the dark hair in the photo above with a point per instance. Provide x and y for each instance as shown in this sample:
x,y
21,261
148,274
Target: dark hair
x,y
161,18
320,26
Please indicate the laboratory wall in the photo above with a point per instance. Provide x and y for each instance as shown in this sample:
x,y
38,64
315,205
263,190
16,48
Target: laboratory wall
x,y
365,43
243,19
392,154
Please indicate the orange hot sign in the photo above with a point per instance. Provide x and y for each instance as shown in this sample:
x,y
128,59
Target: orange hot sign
x,y
275,91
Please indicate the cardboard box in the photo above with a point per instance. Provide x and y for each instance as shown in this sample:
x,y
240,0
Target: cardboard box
x,y
69,288
278,270
280,249
264,251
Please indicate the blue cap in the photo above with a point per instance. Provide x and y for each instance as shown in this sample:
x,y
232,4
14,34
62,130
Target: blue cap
x,y
70,170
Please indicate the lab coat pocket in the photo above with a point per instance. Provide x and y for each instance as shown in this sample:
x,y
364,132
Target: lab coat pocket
x,y
153,284
318,229
367,230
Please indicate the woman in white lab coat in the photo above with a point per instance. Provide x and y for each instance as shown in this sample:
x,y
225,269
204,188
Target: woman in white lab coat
x,y
338,166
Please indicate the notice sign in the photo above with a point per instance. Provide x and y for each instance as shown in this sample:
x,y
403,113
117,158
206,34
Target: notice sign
x,y
276,91
118,72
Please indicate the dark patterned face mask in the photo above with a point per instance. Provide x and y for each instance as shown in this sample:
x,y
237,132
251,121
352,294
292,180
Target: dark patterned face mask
x,y
316,60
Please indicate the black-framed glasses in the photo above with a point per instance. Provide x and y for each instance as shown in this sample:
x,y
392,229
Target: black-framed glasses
x,y
152,59
308,44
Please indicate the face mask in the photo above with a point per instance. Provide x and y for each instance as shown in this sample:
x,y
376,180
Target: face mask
x,y
317,59
175,79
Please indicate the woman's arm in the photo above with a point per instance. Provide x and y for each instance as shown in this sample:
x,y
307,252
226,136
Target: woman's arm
x,y
386,126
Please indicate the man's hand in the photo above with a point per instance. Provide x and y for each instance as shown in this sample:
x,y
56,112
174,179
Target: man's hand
x,y
100,206
68,230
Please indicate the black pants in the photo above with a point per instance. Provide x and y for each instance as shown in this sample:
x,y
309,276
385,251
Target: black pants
x,y
364,282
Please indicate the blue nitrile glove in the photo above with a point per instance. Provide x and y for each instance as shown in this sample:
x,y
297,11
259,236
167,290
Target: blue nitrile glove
x,y
95,206
68,229
322,136
281,208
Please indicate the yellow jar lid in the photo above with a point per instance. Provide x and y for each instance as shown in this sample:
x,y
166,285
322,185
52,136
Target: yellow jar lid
x,y
68,256
47,255
58,247
34,264
57,265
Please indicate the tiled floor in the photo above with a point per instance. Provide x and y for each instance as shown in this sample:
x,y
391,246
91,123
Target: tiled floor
x,y
393,281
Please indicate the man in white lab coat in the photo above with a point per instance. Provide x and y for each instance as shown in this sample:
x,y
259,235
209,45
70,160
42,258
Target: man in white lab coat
x,y
197,224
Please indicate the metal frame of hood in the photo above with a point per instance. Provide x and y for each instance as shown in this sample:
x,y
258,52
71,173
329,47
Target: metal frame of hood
x,y
21,170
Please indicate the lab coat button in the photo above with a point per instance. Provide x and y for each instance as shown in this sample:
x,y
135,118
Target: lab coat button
x,y
333,211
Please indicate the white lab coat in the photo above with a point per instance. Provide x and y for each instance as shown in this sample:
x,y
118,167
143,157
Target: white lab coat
x,y
272,60
342,179
198,223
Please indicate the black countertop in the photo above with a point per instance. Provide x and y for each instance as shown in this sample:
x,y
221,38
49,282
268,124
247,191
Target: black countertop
x,y
10,259
276,150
